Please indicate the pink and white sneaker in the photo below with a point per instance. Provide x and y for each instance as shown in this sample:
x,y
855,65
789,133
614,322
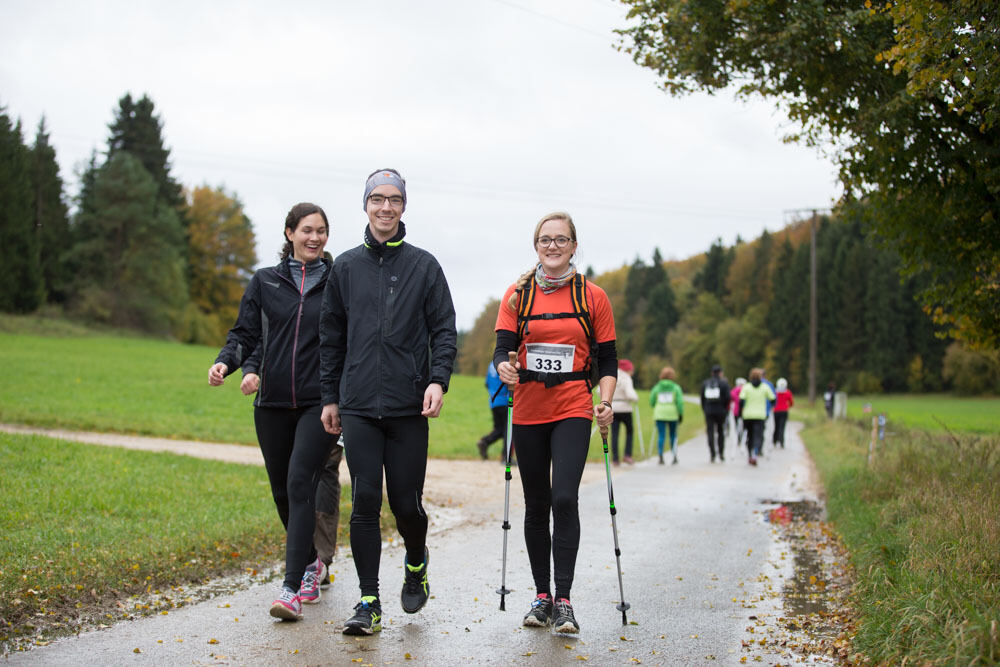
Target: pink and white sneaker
x,y
288,606
315,572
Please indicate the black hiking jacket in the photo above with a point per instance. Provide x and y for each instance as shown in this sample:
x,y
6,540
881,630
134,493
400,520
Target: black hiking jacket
x,y
285,325
387,330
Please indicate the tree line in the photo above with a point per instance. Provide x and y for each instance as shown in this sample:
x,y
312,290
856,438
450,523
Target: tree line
x,y
139,251
747,305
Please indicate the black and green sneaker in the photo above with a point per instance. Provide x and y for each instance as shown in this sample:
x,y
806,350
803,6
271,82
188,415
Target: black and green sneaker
x,y
367,617
415,586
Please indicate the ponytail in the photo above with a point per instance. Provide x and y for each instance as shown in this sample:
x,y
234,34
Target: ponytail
x,y
520,284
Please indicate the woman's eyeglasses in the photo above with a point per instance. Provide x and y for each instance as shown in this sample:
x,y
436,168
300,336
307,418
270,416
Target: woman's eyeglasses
x,y
560,241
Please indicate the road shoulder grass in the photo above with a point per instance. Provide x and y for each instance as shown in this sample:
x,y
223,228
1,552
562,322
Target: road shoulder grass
x,y
922,528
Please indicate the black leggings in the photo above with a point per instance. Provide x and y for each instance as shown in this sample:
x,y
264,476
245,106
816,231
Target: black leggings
x,y
294,446
716,424
780,419
755,435
399,445
560,447
619,419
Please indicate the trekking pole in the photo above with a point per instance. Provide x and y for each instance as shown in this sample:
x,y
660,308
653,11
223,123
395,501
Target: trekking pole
x,y
638,428
614,527
512,358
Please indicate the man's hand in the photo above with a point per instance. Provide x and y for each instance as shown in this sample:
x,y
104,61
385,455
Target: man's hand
x,y
433,400
331,419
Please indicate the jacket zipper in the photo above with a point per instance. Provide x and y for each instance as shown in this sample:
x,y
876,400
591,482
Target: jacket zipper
x,y
295,340
378,356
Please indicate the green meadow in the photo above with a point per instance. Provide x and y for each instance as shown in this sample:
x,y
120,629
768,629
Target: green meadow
x,y
157,388
931,412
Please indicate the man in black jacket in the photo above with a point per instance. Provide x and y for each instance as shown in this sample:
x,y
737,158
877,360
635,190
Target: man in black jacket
x,y
387,347
715,405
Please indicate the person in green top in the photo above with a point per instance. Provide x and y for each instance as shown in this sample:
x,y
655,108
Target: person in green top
x,y
668,409
753,408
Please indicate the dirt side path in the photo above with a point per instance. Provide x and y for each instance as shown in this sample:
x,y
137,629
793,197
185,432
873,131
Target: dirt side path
x,y
456,492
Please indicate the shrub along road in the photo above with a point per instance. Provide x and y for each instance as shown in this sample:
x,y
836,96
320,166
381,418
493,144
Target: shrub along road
x,y
703,570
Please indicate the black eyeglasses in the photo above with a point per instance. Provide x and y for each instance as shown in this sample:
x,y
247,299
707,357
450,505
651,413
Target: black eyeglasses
x,y
377,200
560,241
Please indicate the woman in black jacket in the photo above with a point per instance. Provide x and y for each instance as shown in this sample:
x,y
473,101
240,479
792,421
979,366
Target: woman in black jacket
x,y
276,340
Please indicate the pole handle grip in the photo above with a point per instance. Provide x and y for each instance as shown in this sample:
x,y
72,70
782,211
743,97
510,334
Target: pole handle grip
x,y
512,360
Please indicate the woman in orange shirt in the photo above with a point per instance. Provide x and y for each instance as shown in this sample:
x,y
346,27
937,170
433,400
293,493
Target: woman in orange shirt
x,y
558,346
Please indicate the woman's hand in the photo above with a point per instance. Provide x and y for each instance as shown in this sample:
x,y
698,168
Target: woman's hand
x,y
508,373
217,374
250,384
603,414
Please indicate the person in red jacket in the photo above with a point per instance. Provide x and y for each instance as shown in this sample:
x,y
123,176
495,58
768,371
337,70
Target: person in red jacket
x,y
783,401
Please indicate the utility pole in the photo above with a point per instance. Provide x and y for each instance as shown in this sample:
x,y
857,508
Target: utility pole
x,y
813,310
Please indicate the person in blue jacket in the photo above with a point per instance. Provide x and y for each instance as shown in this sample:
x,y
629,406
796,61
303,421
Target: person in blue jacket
x,y
497,392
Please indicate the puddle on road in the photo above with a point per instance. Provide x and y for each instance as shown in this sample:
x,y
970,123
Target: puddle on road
x,y
812,614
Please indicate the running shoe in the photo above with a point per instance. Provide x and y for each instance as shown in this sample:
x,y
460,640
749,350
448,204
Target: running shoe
x,y
367,617
309,591
482,450
540,614
565,621
629,460
415,586
288,606
327,578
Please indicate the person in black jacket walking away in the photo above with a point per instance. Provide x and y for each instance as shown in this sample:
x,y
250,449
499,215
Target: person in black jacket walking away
x,y
387,347
715,404
276,340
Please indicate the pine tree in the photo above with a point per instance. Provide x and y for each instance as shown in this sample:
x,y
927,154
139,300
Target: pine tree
x,y
20,270
131,271
712,276
50,215
139,131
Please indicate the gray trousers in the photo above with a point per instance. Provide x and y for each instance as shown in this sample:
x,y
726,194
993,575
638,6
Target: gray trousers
x,y
328,506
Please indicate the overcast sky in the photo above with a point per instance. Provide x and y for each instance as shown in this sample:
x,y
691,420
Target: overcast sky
x,y
495,111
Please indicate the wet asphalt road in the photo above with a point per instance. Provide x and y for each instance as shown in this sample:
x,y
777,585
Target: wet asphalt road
x,y
697,560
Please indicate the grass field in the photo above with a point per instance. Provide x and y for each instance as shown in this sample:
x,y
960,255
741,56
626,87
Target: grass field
x,y
922,529
76,520
158,388
931,412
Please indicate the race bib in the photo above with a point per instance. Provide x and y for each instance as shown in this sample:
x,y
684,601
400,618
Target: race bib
x,y
665,397
549,357
712,393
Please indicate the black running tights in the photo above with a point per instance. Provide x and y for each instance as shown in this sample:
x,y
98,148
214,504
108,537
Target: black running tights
x,y
399,446
556,451
295,447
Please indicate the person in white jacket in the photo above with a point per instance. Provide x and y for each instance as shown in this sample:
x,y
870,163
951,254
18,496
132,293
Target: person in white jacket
x,y
622,402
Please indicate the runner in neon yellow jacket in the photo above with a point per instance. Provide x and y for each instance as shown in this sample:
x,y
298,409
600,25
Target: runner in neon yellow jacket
x,y
754,396
668,409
